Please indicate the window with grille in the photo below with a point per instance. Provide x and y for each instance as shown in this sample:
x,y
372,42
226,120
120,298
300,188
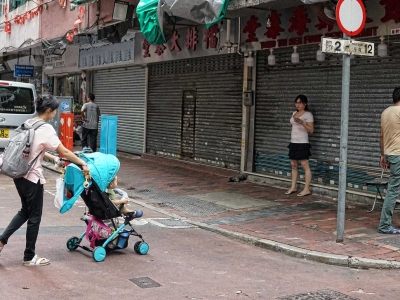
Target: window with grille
x,y
16,3
2,5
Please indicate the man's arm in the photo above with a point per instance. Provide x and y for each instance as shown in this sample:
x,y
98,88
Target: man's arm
x,y
83,112
383,161
98,114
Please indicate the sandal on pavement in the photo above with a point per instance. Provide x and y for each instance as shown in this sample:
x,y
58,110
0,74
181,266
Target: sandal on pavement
x,y
290,192
36,261
392,230
303,195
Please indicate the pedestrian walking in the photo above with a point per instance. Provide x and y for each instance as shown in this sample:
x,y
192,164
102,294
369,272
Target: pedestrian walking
x,y
390,157
90,115
302,122
30,187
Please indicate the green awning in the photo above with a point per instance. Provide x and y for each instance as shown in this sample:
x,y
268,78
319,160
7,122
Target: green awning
x,y
75,3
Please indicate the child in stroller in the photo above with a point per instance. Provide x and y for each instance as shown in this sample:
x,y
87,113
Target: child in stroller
x,y
102,238
112,191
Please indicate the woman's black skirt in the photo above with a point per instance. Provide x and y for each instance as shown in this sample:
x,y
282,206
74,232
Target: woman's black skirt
x,y
299,151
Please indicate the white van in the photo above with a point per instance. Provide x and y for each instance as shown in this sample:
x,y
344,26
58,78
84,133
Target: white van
x,y
17,104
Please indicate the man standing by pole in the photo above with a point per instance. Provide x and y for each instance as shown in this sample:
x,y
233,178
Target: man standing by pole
x,y
390,157
90,116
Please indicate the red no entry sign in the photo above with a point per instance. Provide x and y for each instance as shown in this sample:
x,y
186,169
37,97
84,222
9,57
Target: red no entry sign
x,y
351,16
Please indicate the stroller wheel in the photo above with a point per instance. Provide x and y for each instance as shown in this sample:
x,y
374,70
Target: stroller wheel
x,y
72,243
141,248
99,254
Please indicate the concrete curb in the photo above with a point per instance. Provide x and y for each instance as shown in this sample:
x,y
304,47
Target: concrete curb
x,y
321,257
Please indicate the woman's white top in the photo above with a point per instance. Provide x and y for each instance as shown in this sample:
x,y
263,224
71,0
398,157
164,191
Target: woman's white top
x,y
299,133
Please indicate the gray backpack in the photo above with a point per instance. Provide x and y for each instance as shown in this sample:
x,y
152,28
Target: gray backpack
x,y
16,154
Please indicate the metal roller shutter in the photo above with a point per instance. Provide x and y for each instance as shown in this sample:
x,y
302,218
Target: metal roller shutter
x,y
372,82
216,84
121,92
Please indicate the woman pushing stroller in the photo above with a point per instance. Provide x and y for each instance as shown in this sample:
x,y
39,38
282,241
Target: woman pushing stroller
x,y
30,187
101,200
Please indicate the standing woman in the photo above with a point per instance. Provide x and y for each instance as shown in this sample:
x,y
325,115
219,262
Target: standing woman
x,y
299,148
30,187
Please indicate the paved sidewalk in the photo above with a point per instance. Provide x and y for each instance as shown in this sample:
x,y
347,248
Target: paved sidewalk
x,y
259,214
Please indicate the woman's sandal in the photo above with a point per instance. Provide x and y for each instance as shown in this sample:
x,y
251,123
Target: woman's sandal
x,y
303,195
290,192
36,261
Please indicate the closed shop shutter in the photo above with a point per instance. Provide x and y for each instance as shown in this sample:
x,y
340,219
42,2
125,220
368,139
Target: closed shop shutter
x,y
121,92
215,83
372,83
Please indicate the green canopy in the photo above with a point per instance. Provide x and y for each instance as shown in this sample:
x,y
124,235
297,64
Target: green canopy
x,y
221,14
75,3
146,12
153,15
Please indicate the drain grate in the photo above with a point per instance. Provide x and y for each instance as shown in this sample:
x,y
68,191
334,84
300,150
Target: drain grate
x,y
145,282
315,206
143,191
174,184
319,295
187,204
395,241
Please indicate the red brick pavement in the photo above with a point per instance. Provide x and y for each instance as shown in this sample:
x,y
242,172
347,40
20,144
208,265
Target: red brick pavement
x,y
312,229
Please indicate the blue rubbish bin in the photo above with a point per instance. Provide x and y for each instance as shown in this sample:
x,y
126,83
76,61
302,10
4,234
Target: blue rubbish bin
x,y
108,134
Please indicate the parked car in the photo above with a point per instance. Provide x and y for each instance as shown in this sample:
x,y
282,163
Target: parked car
x,y
16,106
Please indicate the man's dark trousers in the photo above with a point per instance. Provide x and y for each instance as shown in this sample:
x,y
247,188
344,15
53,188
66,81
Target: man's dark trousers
x,y
89,138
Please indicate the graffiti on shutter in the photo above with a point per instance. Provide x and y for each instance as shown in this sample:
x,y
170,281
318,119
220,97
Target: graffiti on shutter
x,y
188,123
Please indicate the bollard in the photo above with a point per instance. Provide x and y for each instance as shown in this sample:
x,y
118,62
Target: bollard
x,y
108,134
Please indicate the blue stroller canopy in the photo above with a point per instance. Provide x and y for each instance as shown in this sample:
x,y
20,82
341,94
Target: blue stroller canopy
x,y
103,168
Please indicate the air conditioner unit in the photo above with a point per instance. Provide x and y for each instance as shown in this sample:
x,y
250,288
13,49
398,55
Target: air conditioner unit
x,y
113,33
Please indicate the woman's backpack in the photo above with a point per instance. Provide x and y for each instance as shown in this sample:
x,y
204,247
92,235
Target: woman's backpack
x,y
16,154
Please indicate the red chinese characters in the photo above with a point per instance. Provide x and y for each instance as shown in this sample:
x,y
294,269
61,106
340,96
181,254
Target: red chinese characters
x,y
299,21
274,30
392,10
210,37
174,39
191,38
160,50
250,28
146,48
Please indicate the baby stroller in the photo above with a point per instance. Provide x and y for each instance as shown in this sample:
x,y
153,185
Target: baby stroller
x,y
103,238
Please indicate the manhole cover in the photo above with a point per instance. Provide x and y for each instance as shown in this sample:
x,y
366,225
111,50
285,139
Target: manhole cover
x,y
145,282
319,295
171,223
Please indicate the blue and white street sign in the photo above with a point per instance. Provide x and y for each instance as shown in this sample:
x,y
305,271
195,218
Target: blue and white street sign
x,y
64,106
24,71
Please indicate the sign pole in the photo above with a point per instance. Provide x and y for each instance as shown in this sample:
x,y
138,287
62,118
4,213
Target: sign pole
x,y
344,133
